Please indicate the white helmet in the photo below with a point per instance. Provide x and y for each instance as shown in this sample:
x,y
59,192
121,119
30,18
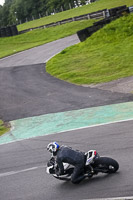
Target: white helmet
x,y
53,147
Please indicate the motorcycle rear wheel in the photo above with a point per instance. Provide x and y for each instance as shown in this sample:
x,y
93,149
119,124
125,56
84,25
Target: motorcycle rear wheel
x,y
110,165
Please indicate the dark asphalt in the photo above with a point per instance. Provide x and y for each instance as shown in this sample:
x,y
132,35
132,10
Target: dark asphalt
x,y
114,140
29,91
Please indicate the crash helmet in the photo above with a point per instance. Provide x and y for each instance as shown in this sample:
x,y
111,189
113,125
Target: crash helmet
x,y
53,147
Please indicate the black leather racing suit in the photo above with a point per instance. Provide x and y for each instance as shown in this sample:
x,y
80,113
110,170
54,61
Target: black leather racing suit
x,y
75,158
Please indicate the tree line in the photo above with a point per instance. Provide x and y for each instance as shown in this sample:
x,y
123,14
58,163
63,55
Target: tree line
x,y
20,11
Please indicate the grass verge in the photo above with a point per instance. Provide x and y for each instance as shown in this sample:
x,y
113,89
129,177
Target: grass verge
x,y
98,5
11,45
105,56
3,128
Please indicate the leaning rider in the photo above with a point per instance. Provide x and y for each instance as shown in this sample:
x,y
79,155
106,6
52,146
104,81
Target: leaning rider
x,y
64,154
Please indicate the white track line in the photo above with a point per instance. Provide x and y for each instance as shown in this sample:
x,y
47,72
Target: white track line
x,y
19,171
114,198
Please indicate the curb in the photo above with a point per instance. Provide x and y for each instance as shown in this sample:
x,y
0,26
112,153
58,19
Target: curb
x,y
114,198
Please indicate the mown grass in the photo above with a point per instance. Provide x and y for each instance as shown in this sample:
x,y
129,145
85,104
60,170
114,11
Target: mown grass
x,y
3,128
107,55
11,45
98,5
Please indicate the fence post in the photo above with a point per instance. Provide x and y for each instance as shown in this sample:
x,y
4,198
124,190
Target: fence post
x,y
104,14
88,16
61,8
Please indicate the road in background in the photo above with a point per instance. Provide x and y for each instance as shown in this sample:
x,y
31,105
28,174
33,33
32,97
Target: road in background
x,y
39,54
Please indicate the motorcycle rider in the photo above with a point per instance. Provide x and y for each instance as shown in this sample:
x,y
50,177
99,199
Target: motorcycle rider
x,y
64,154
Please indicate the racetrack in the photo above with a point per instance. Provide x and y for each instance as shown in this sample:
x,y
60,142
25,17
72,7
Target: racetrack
x,y
23,175
38,54
27,90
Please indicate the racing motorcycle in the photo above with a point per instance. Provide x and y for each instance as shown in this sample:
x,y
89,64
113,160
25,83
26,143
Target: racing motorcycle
x,y
94,164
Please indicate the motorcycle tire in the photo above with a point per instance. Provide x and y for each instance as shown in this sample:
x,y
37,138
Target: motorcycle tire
x,y
110,165
62,178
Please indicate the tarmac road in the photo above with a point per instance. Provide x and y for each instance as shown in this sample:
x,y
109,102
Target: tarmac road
x,y
39,54
27,90
23,176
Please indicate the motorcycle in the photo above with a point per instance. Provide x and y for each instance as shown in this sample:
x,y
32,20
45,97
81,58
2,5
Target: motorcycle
x,y
94,164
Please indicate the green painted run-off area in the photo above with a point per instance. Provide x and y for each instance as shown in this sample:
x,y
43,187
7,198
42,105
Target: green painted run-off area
x,y
65,121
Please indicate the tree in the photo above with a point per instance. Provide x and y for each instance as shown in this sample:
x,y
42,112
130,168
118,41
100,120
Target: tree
x,y
1,16
14,11
4,12
5,15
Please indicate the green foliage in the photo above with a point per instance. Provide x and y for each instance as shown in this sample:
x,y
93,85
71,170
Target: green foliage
x,y
20,11
16,11
3,128
105,56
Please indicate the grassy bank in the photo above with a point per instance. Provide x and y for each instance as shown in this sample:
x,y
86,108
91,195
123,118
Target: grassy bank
x,y
3,128
98,5
105,56
11,45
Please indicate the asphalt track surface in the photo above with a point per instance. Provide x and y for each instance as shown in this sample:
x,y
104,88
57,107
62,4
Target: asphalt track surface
x,y
38,54
30,91
22,169
27,90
